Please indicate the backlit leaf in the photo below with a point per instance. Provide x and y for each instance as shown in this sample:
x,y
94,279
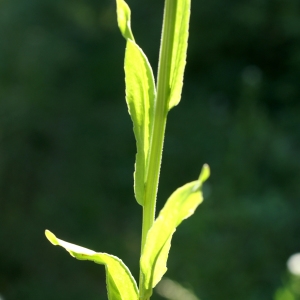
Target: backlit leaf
x,y
120,283
124,21
179,49
181,204
140,98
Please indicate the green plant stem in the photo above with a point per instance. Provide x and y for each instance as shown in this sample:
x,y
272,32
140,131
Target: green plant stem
x,y
160,118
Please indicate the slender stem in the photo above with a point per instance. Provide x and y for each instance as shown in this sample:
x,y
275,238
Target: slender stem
x,y
160,118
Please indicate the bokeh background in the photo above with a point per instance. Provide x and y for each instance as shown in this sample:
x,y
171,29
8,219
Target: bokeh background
x,y
67,148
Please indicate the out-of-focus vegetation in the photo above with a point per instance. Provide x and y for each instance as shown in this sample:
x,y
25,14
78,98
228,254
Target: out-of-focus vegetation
x,y
290,290
67,147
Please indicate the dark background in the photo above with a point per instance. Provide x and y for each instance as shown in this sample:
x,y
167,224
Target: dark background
x,y
67,148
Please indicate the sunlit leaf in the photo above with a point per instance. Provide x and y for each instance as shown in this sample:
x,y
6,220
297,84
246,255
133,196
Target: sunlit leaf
x,y
140,97
120,283
180,43
124,21
181,204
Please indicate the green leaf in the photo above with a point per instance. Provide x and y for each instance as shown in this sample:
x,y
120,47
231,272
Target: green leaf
x,y
124,21
181,204
179,50
120,283
140,98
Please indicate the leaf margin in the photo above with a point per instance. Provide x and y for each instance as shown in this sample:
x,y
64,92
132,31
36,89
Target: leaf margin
x,y
115,290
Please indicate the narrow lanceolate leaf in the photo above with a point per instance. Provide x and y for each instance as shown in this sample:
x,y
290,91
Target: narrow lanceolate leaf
x,y
124,21
140,98
181,204
120,283
179,50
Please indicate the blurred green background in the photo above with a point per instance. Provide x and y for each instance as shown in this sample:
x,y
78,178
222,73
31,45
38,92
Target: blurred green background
x,y
67,148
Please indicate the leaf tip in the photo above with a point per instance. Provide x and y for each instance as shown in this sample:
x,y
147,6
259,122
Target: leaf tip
x,y
51,237
123,18
205,173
